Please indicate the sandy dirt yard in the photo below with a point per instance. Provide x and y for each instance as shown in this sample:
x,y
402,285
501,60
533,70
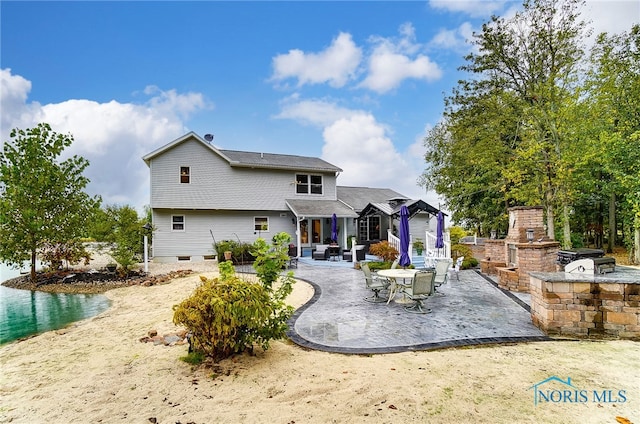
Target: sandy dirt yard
x,y
98,371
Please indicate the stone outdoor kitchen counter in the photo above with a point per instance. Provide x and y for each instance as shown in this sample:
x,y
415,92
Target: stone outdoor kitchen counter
x,y
622,274
605,305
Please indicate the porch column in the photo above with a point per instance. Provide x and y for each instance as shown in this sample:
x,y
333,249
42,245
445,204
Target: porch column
x,y
298,239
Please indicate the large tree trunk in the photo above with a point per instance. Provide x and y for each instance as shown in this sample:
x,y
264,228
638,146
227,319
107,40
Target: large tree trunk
x,y
566,227
636,247
33,266
551,229
611,240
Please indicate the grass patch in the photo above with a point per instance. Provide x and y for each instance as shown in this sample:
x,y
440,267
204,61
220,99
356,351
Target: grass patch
x,y
193,358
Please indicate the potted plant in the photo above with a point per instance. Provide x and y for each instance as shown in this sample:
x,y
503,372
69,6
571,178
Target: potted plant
x,y
419,246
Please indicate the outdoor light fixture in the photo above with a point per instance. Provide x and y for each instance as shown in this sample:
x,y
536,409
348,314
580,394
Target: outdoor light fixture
x,y
493,234
530,235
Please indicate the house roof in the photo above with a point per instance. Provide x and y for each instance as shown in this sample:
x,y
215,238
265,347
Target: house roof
x,y
320,208
278,161
359,197
414,206
252,159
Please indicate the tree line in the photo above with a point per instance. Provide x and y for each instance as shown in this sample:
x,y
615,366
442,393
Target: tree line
x,y
539,119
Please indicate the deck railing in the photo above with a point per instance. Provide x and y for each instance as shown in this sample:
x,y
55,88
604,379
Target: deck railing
x,y
395,242
430,250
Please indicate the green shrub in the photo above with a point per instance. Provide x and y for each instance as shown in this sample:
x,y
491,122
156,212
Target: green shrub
x,y
377,265
577,240
125,256
384,250
229,315
469,261
456,233
240,252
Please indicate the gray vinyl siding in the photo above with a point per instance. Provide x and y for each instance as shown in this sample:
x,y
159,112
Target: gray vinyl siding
x,y
214,184
420,224
196,240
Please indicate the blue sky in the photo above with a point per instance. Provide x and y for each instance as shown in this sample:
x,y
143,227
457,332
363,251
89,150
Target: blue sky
x,y
356,83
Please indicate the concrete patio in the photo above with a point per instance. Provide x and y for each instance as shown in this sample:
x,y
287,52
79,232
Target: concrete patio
x,y
472,311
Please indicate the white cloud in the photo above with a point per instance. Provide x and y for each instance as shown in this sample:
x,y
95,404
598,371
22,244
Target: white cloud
x,y
113,136
611,16
335,65
14,90
394,60
454,39
356,142
319,113
473,8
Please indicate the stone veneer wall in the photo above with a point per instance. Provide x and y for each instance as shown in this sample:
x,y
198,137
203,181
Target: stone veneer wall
x,y
583,306
540,257
493,257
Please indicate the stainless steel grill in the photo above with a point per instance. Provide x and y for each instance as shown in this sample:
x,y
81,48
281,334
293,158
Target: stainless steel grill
x,y
568,256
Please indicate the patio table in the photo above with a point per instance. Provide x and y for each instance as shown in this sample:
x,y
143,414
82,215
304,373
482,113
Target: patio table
x,y
395,274
334,253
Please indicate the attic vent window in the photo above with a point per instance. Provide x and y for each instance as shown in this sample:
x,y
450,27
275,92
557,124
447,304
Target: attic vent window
x,y
185,173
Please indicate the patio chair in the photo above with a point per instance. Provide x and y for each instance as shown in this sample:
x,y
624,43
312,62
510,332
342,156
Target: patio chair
x,y
320,252
421,288
442,274
374,283
458,266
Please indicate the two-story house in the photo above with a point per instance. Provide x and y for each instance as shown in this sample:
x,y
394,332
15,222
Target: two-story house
x,y
200,193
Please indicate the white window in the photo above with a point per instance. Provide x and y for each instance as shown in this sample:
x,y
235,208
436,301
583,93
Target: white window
x,y
308,184
177,223
185,174
260,223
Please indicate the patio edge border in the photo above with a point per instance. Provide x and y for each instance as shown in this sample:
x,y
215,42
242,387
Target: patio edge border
x,y
457,343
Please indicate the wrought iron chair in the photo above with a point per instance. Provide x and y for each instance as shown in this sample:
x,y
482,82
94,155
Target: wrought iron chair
x,y
375,283
420,289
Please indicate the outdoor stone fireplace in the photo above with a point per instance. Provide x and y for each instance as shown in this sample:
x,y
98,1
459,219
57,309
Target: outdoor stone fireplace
x,y
525,249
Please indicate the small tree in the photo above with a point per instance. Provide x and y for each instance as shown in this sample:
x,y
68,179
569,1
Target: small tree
x,y
72,252
228,315
41,200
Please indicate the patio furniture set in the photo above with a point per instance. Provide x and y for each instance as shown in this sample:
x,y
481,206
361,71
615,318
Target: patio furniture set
x,y
416,284
332,252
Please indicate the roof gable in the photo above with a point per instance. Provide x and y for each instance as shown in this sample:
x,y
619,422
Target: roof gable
x,y
358,198
187,137
237,158
414,206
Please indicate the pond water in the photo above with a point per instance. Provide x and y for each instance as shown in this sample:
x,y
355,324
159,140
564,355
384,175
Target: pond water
x,y
24,312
